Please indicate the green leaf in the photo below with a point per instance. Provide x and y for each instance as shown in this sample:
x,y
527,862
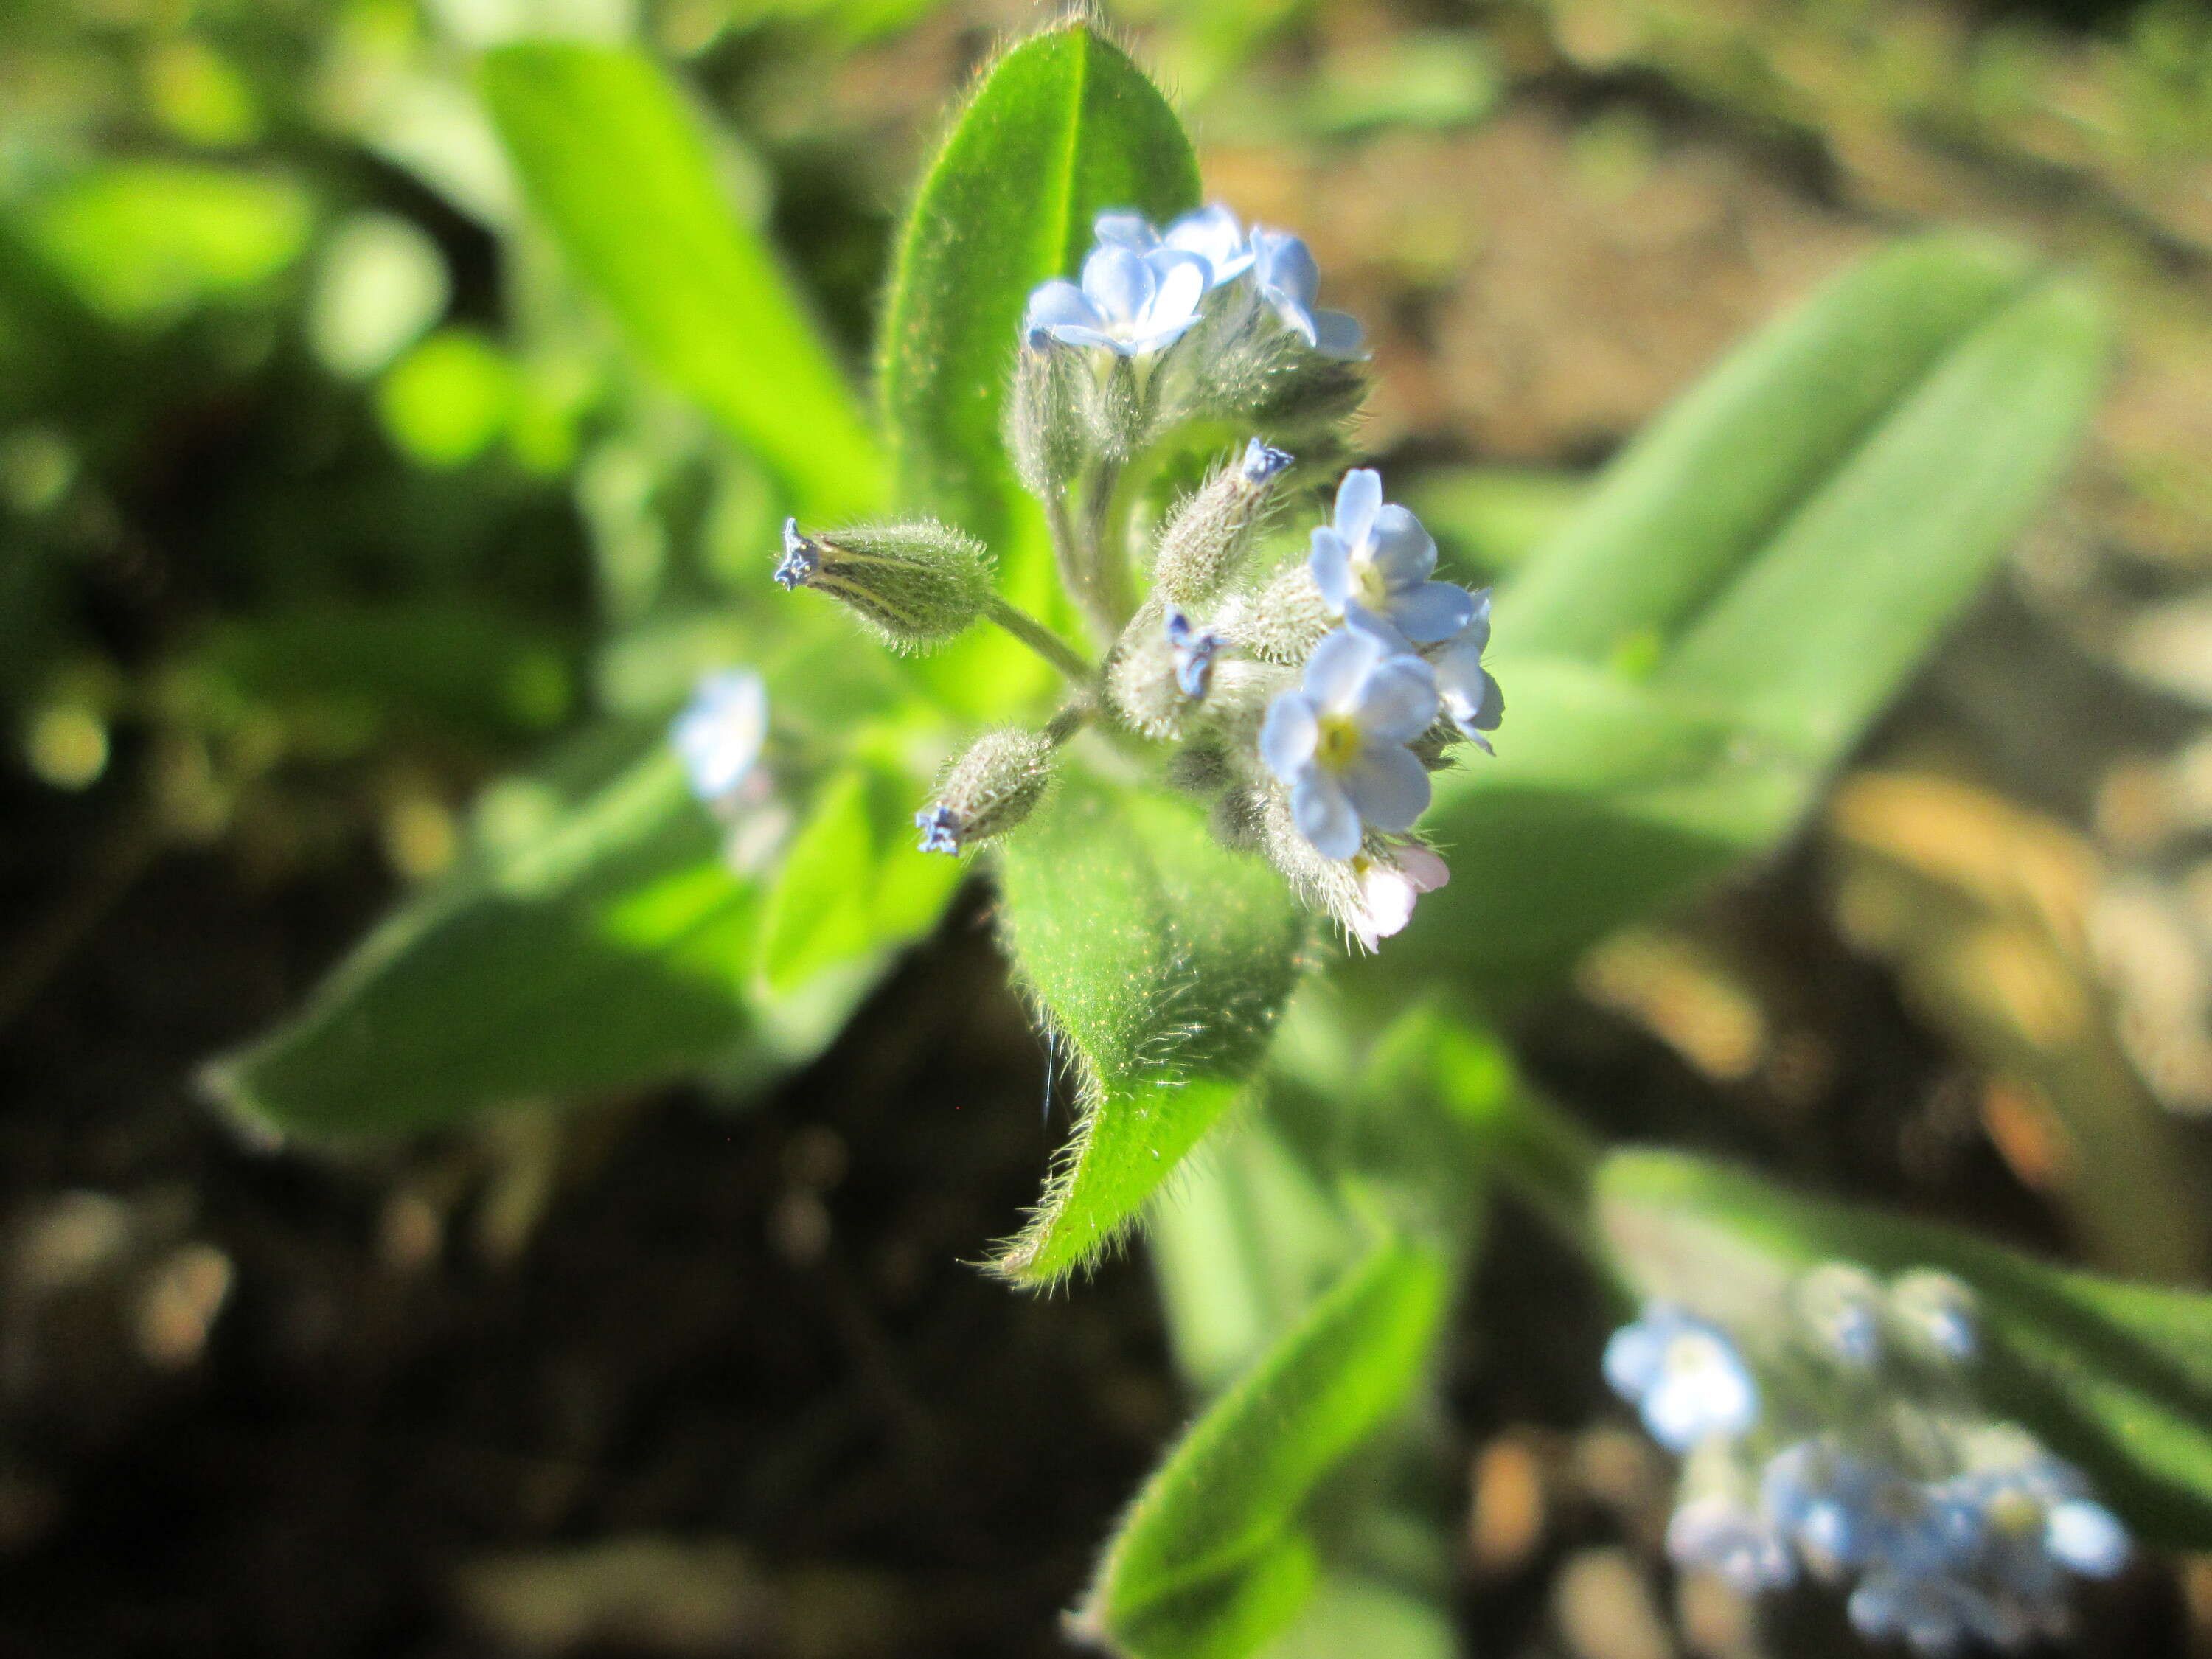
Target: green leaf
x,y
145,241
620,169
2116,1376
851,878
1211,1560
1768,561
594,940
1704,487
1062,127
1162,961
1843,599
1353,1615
1605,799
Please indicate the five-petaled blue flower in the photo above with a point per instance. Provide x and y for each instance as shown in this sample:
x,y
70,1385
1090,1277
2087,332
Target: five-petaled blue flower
x,y
1132,304
1372,568
1284,270
720,734
1340,742
1212,232
1683,1375
1193,648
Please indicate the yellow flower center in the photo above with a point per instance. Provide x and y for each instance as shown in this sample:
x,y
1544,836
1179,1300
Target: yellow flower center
x,y
1339,744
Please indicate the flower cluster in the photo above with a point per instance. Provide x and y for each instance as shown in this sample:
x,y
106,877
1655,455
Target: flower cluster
x,y
1309,697
1848,1447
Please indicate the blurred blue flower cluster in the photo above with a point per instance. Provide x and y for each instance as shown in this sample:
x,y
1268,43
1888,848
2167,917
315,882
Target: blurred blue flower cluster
x,y
1842,1440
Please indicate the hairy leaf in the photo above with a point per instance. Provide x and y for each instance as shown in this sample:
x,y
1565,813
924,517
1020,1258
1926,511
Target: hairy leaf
x,y
1163,960
1197,1570
1062,128
2116,1376
620,170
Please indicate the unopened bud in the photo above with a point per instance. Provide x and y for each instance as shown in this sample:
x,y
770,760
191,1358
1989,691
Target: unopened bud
x,y
992,787
1249,368
1839,1307
1934,1315
1163,668
1047,422
916,585
1284,621
1206,541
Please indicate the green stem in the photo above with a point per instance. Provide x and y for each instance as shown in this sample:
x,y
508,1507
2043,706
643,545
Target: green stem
x,y
1105,542
1042,641
1551,1161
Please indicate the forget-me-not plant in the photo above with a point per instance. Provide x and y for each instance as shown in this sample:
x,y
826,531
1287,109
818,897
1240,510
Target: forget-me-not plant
x,y
1340,741
1373,562
721,733
1131,304
1869,1461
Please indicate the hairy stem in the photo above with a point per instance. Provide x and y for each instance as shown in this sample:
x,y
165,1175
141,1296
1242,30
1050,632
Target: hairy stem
x,y
1042,641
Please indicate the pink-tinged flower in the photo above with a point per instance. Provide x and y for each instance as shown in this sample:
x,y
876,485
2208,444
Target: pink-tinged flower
x,y
1389,888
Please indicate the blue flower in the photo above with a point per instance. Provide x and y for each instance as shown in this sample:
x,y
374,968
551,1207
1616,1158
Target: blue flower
x,y
2083,1536
1372,568
1716,1531
1132,304
1340,742
1212,232
1471,696
1683,1375
1193,655
720,734
1287,278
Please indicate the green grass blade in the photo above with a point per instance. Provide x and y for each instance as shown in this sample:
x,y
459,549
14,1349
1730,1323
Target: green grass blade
x,y
618,168
1205,1543
1828,621
1705,486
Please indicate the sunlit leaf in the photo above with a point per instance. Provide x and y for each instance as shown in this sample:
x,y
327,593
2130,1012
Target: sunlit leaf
x,y
1062,128
1163,960
2116,1376
619,168
1211,1561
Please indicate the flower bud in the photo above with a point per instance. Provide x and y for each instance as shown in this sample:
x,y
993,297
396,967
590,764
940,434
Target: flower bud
x,y
1206,541
916,585
1121,409
989,789
1162,666
1047,422
1284,621
1242,365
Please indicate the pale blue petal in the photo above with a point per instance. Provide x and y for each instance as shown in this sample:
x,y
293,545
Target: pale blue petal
x,y
1180,281
1478,625
1214,235
1432,612
1119,282
720,734
1338,334
1338,668
1398,701
1295,318
1632,1360
1155,339
1324,815
1358,616
1403,552
1330,562
1288,739
1072,334
1126,228
2087,1538
1058,303
1286,271
1388,784
1358,500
